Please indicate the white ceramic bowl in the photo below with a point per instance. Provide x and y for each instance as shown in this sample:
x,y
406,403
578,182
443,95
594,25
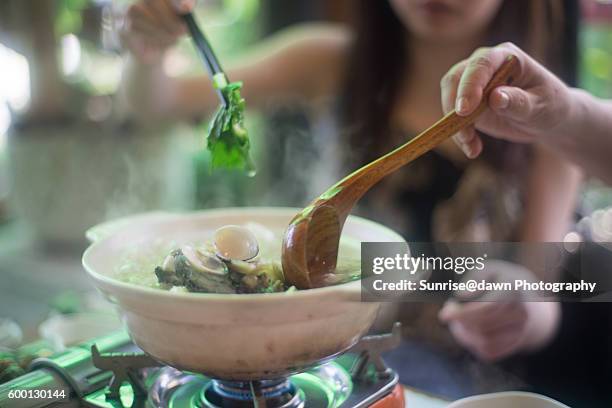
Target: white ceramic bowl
x,y
510,399
232,337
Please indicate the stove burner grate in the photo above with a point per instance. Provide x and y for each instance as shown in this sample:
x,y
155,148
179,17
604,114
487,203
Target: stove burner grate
x,y
248,390
239,394
356,380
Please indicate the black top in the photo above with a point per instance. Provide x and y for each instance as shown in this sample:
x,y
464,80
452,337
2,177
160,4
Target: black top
x,y
406,203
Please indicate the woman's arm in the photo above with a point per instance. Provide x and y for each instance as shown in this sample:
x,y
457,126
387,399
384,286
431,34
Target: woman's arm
x,y
539,108
304,62
551,192
587,136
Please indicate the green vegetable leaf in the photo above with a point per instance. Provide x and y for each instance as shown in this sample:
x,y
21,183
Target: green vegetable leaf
x,y
228,139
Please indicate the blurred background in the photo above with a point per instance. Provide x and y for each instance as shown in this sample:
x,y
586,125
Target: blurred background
x,y
70,158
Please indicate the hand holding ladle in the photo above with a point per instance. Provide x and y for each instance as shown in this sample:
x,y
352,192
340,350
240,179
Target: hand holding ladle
x,y
311,242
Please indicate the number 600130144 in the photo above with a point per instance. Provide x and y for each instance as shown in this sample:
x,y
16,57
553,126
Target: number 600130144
x,y
37,394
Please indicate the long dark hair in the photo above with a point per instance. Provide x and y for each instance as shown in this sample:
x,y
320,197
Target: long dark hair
x,y
546,29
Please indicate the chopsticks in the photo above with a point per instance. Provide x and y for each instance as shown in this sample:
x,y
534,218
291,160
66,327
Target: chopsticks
x,y
208,56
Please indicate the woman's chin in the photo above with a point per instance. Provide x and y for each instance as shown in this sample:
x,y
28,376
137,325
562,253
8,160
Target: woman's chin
x,y
438,34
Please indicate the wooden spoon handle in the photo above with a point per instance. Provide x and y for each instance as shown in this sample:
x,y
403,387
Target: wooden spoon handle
x,y
452,123
364,178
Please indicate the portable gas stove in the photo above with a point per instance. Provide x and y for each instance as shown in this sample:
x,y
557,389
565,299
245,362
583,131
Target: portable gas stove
x,y
111,372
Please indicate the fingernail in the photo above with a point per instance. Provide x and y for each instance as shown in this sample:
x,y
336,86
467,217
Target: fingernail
x,y
446,313
187,5
462,105
466,137
504,100
468,152
462,145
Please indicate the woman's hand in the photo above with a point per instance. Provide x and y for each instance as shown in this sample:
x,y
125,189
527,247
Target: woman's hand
x,y
493,330
532,108
151,26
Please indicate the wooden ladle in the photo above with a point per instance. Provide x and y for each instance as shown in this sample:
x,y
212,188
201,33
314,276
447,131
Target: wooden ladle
x,y
311,242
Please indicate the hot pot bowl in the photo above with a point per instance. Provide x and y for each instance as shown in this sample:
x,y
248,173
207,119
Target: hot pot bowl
x,y
235,336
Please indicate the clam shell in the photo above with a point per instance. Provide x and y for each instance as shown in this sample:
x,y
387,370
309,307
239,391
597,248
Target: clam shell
x,y
234,242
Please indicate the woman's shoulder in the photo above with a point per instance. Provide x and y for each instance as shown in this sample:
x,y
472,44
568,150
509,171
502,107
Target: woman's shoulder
x,y
314,55
323,36
312,45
